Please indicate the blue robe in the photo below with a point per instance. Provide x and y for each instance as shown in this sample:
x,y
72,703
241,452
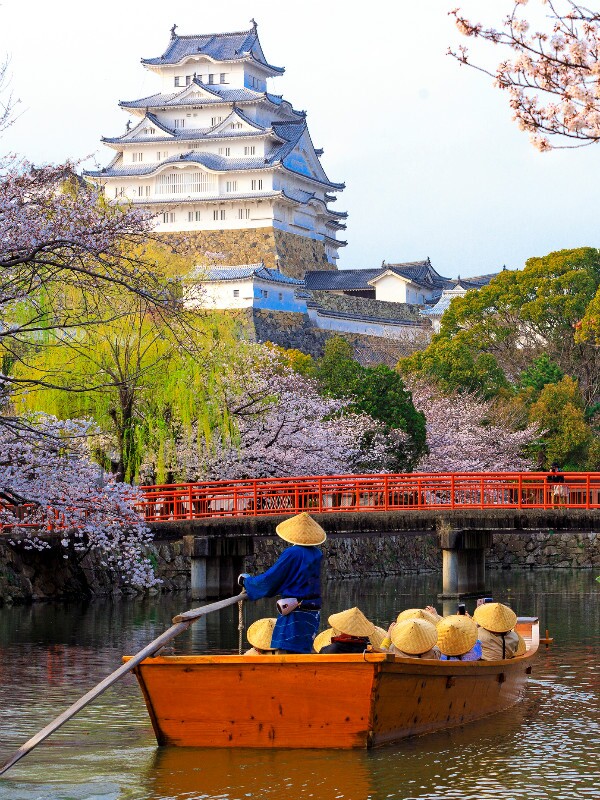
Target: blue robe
x,y
296,573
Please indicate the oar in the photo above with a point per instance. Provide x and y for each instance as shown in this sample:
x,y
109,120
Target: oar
x,y
181,623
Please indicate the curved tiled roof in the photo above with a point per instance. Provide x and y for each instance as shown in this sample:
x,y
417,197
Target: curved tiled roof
x,y
243,271
208,160
217,46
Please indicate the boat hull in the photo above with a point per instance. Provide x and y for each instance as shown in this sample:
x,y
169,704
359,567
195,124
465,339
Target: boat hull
x,y
320,701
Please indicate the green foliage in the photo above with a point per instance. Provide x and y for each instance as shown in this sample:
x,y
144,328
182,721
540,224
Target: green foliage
x,y
457,366
378,391
540,373
560,413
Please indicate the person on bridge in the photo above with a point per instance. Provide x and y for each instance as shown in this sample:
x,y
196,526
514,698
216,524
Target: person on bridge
x,y
296,577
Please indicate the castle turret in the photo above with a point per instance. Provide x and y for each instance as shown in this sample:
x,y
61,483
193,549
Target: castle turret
x,y
216,155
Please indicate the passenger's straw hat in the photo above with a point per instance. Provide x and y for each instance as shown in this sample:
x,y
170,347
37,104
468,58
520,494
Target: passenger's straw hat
x,y
457,634
521,646
323,639
495,617
417,613
301,529
260,633
352,622
377,637
414,636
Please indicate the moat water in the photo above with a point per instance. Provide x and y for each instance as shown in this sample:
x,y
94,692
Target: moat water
x,y
545,748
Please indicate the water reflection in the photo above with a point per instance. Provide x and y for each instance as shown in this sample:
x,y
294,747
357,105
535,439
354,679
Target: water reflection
x,y
545,748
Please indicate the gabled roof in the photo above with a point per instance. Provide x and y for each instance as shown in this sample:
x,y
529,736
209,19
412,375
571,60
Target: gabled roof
x,y
237,46
418,272
209,160
241,272
133,135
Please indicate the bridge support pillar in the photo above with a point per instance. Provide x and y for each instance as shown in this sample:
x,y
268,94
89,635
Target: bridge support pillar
x,y
463,562
216,563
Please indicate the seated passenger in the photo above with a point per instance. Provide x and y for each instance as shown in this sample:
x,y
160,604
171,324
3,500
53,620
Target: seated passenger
x,y
259,634
323,639
498,639
354,634
414,638
419,613
457,639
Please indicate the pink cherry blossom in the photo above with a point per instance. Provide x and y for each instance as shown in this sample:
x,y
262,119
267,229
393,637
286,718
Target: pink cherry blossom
x,y
551,75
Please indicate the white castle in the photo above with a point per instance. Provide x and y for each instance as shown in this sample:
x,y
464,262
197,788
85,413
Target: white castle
x,y
214,150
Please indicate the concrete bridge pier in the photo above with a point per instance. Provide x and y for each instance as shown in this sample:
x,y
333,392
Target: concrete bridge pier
x,y
463,562
216,563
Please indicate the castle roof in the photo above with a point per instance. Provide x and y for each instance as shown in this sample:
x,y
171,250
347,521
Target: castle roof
x,y
241,272
212,95
418,272
220,47
342,280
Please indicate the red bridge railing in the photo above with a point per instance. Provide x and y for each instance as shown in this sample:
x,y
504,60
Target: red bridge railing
x,y
351,493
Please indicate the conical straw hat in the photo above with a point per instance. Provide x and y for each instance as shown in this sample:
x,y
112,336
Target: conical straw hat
x,y
323,639
417,613
377,637
521,647
457,634
495,617
260,633
352,622
414,636
301,529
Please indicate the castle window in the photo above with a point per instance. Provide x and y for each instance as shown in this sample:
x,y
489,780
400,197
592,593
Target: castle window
x,y
137,156
236,292
231,186
264,293
168,217
211,78
257,185
180,123
179,80
193,215
243,213
249,151
222,213
188,80
215,120
147,191
215,214
158,156
224,151
140,191
223,77
280,296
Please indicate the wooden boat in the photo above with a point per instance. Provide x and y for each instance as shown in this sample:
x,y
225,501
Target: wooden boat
x,y
324,701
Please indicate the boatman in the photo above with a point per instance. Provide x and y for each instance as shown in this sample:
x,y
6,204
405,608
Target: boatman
x,y
296,577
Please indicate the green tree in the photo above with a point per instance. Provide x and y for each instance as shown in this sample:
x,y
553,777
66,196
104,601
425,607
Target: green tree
x,y
540,373
378,391
567,438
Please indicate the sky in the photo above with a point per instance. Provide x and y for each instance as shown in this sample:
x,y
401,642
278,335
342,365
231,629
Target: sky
x,y
433,164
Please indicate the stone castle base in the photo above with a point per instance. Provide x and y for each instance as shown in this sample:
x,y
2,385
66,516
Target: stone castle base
x,y
292,254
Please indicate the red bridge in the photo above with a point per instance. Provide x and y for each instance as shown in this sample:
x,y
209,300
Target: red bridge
x,y
363,493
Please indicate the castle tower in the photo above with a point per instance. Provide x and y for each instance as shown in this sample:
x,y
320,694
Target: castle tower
x,y
228,168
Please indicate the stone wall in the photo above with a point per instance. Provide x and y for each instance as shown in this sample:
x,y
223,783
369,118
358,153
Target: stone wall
x,y
293,330
367,307
554,549
292,254
32,575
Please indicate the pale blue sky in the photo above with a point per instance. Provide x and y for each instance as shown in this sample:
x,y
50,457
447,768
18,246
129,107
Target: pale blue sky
x,y
432,162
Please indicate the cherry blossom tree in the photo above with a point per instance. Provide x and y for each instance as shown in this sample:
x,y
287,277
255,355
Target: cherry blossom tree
x,y
64,253
50,482
552,72
465,434
281,426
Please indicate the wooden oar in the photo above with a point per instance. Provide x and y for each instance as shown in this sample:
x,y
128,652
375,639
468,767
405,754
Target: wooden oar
x,y
181,623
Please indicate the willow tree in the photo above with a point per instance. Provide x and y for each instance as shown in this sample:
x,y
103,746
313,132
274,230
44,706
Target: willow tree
x,y
141,376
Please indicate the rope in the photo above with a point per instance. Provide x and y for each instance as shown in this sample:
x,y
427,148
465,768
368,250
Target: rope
x,y
240,625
